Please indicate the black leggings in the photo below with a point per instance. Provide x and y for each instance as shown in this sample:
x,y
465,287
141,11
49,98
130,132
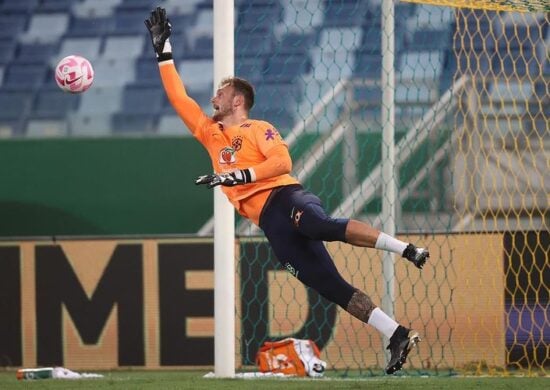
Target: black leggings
x,y
296,225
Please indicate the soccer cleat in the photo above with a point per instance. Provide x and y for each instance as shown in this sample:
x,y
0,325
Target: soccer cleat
x,y
401,343
417,256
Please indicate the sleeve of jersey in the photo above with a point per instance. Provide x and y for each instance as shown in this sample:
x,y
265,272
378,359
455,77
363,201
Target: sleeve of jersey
x,y
187,109
277,162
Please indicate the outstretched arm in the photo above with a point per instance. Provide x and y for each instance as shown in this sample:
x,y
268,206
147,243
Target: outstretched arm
x,y
277,162
160,29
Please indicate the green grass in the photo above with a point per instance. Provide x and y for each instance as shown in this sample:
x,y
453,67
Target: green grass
x,y
194,380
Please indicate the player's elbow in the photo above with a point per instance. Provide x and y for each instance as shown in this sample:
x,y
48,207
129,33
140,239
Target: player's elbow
x,y
284,165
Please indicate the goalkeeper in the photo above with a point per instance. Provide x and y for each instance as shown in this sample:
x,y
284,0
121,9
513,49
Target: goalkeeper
x,y
252,163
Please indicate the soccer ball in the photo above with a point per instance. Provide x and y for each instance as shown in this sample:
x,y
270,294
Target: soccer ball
x,y
74,74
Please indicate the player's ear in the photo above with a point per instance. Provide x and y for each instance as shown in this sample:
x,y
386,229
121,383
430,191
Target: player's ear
x,y
238,100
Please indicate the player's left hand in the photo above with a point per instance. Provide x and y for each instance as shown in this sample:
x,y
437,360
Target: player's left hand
x,y
228,179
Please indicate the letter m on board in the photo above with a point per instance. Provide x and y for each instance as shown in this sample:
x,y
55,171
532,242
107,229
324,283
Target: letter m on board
x,y
121,284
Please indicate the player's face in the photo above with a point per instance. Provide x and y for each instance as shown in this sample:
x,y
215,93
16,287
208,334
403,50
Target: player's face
x,y
223,102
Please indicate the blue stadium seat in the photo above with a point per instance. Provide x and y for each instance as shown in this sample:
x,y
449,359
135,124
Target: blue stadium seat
x,y
24,76
125,46
344,13
142,99
147,71
40,53
15,103
367,65
55,5
277,95
7,50
295,43
251,14
141,5
252,43
26,6
130,21
12,25
203,48
46,27
281,118
427,40
90,27
86,46
54,103
285,68
122,123
250,68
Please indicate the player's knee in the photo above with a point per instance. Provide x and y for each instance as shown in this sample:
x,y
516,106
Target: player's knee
x,y
325,228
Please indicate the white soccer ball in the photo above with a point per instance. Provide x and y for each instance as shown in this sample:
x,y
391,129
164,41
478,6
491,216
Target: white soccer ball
x,y
74,74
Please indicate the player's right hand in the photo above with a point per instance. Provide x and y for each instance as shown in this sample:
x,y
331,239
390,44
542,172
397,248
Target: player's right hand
x,y
159,28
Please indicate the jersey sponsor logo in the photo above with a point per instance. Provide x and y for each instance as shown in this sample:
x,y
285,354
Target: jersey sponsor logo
x,y
246,124
237,143
227,155
296,215
293,271
270,134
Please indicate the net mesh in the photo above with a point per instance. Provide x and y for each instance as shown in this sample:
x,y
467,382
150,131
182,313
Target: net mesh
x,y
471,136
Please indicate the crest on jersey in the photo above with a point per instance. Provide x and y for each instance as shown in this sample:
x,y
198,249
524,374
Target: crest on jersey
x,y
237,143
227,155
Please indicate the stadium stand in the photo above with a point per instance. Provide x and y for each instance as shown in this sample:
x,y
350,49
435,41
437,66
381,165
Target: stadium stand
x,y
309,44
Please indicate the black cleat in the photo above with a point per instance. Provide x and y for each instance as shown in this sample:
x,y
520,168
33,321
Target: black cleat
x,y
417,256
401,343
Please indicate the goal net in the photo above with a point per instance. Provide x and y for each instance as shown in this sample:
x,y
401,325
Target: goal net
x,y
472,144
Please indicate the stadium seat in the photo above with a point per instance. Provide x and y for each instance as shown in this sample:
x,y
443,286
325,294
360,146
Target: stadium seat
x,y
95,8
281,118
12,25
414,93
367,65
126,46
147,71
92,27
40,53
101,100
87,47
170,124
24,76
15,103
23,6
54,103
55,5
285,68
122,123
112,72
250,14
46,27
203,26
203,48
46,128
7,50
344,13
428,40
141,5
432,17
302,16
278,94
253,43
422,65
197,74
332,65
178,7
86,125
250,68
130,21
142,99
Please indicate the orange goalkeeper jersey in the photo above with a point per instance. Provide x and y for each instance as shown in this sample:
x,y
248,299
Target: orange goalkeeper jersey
x,y
234,147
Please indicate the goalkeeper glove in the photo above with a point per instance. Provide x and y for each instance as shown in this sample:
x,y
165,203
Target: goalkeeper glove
x,y
228,179
160,28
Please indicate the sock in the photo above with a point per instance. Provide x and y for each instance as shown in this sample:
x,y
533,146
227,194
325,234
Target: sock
x,y
382,322
389,243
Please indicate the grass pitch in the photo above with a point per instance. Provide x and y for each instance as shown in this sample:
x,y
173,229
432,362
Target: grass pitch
x,y
136,380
